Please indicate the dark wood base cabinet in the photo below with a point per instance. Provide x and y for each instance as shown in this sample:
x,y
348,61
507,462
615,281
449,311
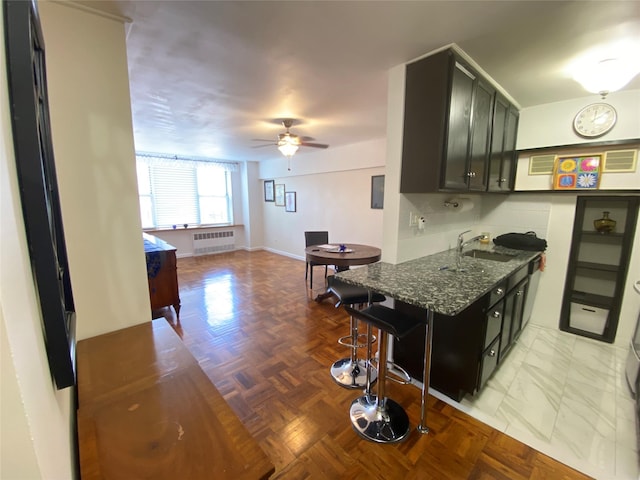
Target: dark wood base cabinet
x,y
468,348
162,274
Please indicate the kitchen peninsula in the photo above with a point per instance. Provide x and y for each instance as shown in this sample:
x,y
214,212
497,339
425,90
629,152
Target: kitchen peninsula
x,y
477,311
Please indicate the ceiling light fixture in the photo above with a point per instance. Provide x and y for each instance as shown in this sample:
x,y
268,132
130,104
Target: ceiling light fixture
x,y
606,76
288,144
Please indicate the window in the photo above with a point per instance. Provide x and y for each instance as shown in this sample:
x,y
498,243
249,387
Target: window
x,y
175,191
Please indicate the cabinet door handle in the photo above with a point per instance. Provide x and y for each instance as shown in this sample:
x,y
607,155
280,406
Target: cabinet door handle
x,y
496,314
499,291
519,292
471,174
492,353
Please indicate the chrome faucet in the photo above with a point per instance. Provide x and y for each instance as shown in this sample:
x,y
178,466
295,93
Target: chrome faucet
x,y
462,244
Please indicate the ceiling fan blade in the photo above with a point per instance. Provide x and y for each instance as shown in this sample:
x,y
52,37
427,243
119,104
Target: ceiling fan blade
x,y
314,145
262,140
266,145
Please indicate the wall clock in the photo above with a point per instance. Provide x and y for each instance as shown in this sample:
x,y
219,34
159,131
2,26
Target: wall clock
x,y
595,120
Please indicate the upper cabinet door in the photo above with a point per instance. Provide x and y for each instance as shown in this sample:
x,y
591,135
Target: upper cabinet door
x,y
501,107
456,173
503,146
507,172
481,136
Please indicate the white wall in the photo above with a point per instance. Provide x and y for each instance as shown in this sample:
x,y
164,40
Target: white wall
x,y
93,145
252,204
552,124
35,432
333,189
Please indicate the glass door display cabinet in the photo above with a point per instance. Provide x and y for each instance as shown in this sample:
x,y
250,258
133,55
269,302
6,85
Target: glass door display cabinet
x,y
603,233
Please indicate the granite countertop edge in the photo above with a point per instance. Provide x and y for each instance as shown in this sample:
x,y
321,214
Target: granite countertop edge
x,y
433,282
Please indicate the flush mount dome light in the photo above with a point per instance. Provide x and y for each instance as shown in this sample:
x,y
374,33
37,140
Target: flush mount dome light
x,y
605,76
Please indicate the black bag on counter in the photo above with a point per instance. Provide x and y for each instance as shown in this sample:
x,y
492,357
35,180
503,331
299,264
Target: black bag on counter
x,y
521,241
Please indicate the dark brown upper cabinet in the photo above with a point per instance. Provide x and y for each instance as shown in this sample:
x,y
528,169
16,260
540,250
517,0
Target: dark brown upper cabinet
x,y
449,128
503,146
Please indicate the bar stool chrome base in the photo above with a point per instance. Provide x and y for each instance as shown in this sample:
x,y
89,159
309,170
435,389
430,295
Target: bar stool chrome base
x,y
388,424
350,374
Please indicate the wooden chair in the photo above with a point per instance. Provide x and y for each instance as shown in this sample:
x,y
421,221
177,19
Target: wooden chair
x,y
314,238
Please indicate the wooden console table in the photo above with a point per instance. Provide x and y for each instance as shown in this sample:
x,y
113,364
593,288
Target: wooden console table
x,y
147,410
162,273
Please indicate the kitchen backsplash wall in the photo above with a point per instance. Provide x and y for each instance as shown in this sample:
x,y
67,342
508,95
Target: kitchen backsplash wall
x,y
515,213
495,214
442,224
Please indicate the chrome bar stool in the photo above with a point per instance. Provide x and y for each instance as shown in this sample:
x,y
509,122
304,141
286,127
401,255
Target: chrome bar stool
x,y
377,417
351,372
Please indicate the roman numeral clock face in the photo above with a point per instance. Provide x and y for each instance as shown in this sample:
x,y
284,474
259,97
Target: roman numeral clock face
x,y
595,120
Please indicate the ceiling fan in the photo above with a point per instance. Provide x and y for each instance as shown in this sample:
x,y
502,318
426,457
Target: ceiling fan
x,y
288,143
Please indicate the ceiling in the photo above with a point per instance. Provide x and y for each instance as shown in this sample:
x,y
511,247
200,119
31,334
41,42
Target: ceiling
x,y
208,77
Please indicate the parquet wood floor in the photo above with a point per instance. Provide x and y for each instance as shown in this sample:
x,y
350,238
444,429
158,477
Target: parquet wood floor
x,y
252,323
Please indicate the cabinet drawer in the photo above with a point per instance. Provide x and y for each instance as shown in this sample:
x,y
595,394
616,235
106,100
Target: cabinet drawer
x,y
517,277
497,293
494,322
489,362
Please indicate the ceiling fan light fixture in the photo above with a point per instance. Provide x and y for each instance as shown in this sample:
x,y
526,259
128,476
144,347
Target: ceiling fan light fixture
x,y
287,149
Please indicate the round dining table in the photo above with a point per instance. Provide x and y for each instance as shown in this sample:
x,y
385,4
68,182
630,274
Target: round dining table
x,y
353,254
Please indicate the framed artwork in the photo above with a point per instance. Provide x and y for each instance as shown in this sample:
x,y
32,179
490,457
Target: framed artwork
x,y
269,191
377,191
577,172
39,193
280,195
290,201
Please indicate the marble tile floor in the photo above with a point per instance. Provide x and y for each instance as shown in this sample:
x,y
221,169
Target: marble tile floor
x,y
566,396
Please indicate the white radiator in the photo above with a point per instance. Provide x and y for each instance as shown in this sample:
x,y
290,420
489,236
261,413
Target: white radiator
x,y
213,242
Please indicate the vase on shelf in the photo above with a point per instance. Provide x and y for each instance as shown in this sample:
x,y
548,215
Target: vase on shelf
x,y
604,224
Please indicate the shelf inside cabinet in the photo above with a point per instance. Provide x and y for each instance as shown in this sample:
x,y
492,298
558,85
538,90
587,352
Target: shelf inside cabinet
x,y
601,301
598,266
614,236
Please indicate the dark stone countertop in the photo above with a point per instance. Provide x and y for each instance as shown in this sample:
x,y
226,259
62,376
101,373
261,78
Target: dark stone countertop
x,y
424,283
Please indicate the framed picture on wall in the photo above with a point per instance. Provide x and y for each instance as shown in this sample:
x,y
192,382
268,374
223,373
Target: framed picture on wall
x,y
578,172
280,195
377,191
269,191
290,201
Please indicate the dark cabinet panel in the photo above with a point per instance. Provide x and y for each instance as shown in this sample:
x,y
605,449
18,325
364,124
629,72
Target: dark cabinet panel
x,y
457,152
489,362
507,172
512,318
501,107
481,136
503,146
425,115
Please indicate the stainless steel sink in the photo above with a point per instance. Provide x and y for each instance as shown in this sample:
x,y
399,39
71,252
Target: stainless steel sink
x,y
488,255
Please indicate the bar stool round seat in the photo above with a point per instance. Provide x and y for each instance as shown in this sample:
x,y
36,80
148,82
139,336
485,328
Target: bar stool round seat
x,y
376,417
351,372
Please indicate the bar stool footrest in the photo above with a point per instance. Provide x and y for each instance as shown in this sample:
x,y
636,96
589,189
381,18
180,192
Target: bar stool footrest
x,y
347,341
397,374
